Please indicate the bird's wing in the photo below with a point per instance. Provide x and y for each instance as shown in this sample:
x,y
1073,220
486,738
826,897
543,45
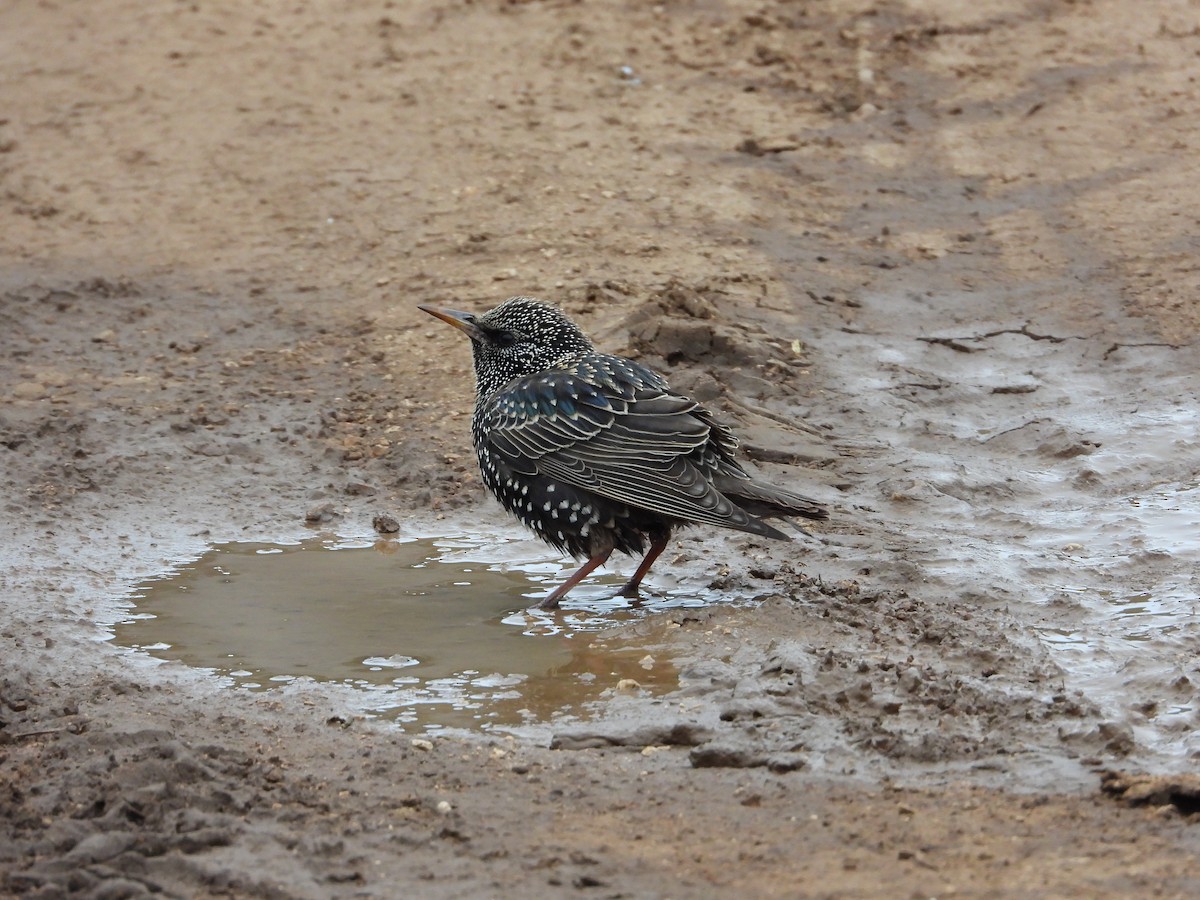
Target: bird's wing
x,y
632,442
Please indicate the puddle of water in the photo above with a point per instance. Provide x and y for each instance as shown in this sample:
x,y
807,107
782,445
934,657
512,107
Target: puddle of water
x,y
433,632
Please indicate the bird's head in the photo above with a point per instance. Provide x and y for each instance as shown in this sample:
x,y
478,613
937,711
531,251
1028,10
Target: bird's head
x,y
519,337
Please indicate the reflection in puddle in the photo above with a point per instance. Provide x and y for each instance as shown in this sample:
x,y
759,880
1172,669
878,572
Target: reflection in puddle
x,y
431,631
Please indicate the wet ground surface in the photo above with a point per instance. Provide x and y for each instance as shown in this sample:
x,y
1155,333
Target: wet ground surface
x,y
933,261
1044,470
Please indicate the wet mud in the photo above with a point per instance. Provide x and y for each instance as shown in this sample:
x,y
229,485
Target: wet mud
x,y
932,261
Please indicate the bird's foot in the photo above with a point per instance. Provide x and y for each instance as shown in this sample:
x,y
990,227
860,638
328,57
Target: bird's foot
x,y
631,591
550,601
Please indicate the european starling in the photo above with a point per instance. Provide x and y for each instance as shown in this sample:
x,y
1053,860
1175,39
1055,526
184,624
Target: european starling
x,y
594,452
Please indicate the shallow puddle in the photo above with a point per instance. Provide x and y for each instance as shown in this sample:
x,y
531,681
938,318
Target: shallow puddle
x,y
433,632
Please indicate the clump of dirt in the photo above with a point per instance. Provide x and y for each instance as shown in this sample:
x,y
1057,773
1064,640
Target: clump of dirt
x,y
1181,792
703,332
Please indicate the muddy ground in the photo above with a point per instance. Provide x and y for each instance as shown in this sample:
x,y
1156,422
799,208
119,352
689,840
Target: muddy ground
x,y
935,259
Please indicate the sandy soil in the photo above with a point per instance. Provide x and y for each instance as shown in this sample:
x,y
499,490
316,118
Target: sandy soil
x,y
936,259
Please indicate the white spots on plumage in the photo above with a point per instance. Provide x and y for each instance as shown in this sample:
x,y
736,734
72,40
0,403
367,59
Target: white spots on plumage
x,y
565,392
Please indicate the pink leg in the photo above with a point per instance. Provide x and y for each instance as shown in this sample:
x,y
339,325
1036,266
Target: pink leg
x,y
551,602
656,549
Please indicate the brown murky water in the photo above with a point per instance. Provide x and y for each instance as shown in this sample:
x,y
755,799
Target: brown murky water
x,y
434,632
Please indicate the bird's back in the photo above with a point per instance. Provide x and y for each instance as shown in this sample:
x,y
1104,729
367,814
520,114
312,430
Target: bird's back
x,y
612,429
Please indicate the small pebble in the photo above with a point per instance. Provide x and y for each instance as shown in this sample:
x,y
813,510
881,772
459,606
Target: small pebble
x,y
385,524
29,390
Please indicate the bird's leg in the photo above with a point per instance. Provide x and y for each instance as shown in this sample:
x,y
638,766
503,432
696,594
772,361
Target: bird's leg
x,y
657,546
551,602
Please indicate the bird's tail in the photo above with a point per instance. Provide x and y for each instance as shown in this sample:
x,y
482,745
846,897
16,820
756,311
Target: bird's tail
x,y
768,501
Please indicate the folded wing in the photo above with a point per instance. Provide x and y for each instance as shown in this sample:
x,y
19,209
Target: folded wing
x,y
613,428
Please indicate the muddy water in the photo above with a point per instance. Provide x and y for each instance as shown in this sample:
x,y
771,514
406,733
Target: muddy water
x,y
1023,467
432,632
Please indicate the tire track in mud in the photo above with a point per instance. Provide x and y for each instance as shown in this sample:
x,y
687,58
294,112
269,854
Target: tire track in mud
x,y
1024,468
1015,419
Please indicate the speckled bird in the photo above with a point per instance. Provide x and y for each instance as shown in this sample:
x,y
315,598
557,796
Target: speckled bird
x,y
595,452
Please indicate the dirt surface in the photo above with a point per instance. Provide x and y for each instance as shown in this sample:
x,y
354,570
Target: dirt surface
x,y
937,261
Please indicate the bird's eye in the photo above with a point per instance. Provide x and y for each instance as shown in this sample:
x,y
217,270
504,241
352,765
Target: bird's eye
x,y
505,338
